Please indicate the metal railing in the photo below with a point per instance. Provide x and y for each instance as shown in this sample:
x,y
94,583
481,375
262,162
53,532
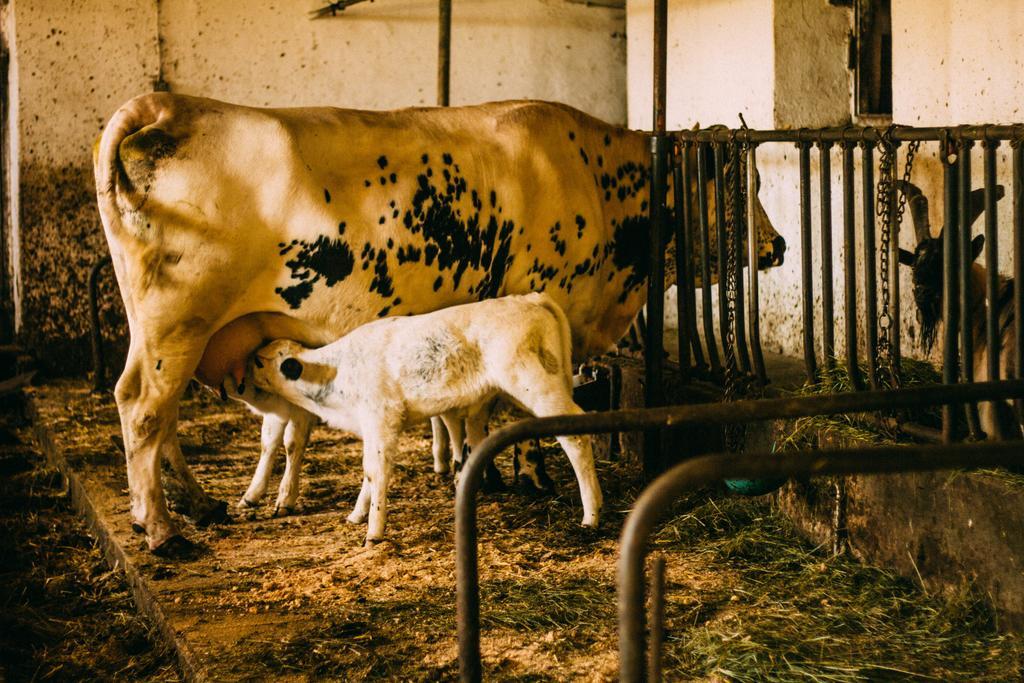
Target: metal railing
x,y
467,571
637,663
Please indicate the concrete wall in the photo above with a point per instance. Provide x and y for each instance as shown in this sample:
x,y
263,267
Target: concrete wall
x,y
77,60
783,64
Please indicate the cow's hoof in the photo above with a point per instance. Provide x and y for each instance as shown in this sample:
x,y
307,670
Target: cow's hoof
x,y
592,523
246,504
491,485
175,547
217,514
283,510
138,528
372,542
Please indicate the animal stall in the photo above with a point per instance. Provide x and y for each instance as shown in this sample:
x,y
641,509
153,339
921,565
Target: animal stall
x,y
298,595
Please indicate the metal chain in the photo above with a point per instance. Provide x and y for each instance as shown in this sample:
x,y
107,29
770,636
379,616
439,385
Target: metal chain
x,y
737,384
887,164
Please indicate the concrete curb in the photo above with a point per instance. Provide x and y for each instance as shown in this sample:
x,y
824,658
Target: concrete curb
x,y
188,664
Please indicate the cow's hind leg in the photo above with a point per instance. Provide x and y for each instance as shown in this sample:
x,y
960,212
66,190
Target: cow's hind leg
x,y
271,437
296,436
147,397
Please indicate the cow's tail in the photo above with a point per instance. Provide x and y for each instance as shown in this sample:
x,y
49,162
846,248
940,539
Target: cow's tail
x,y
111,178
564,332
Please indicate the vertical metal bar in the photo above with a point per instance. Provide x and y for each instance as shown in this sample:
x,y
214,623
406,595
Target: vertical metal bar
x,y
894,273
722,254
657,636
653,342
754,295
1018,266
950,300
828,343
705,259
444,51
850,268
966,296
688,289
870,275
806,261
737,228
991,260
682,215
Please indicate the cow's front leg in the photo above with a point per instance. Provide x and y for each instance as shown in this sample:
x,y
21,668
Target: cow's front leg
x,y
271,435
296,436
147,396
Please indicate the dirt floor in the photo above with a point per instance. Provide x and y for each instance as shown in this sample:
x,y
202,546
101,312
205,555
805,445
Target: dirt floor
x,y
300,598
64,615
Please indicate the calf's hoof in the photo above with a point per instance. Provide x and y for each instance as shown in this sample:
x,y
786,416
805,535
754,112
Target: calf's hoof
x,y
282,510
175,547
371,542
138,528
246,504
590,522
355,518
216,514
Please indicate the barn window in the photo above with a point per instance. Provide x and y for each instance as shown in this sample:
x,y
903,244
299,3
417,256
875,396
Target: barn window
x,y
871,58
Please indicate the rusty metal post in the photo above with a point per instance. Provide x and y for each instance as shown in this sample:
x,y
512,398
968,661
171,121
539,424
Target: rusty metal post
x,y
806,262
850,268
828,343
99,363
757,355
870,271
950,299
444,51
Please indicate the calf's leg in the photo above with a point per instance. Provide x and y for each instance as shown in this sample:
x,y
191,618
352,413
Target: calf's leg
x,y
378,452
440,444
296,436
271,436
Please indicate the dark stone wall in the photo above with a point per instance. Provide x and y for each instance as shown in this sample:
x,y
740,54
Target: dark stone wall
x,y
61,239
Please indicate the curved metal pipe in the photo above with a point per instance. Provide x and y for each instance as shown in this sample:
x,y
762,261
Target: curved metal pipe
x,y
99,364
638,419
693,474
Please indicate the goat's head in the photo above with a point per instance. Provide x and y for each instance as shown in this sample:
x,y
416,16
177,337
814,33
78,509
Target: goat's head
x,y
926,260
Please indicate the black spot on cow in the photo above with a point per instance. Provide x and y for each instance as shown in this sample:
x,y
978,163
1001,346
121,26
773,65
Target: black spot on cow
x,y
330,260
581,223
494,199
381,220
408,254
392,203
397,301
367,183
383,180
446,158
438,282
383,312
553,235
607,139
407,219
600,161
394,214
393,177
583,155
572,135
391,243
425,159
382,283
341,228
327,196
629,250
382,161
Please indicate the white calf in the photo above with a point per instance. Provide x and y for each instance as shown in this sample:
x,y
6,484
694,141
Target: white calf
x,y
389,374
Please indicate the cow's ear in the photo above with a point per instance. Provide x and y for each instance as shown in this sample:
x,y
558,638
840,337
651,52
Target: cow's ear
x,y
291,369
906,257
977,244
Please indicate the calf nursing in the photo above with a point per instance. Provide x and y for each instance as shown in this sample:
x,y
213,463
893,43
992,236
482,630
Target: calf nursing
x,y
389,374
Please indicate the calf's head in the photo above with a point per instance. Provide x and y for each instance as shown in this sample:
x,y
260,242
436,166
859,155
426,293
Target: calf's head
x,y
926,260
278,367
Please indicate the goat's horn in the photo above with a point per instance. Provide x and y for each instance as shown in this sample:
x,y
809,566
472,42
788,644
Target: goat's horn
x,y
918,209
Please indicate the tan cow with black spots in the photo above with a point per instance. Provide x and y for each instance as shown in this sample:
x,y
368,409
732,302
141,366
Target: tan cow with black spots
x,y
229,226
